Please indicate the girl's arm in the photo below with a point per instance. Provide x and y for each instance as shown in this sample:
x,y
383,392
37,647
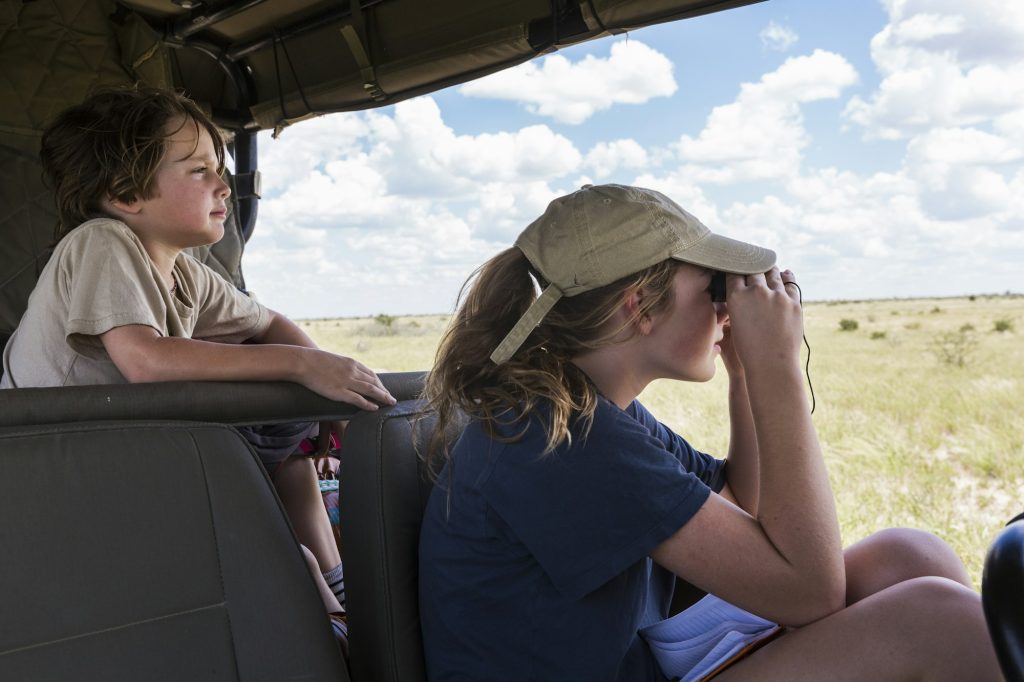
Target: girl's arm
x,y
742,469
785,563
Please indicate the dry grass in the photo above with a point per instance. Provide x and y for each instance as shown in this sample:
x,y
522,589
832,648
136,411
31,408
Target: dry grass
x,y
910,439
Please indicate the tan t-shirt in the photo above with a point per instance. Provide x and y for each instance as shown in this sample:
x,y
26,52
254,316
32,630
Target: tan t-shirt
x,y
100,277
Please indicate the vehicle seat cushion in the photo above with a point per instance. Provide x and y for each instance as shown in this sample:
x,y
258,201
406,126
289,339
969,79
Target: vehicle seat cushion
x,y
150,551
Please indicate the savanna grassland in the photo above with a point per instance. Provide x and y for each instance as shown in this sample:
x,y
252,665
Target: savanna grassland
x,y
920,407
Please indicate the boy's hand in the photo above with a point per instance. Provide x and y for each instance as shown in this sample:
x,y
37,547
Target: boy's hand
x,y
340,378
766,322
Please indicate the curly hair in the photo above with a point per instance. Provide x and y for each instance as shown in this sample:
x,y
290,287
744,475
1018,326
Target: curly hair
x,y
541,371
111,145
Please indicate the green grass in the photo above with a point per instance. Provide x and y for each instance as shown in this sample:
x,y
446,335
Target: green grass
x,y
910,440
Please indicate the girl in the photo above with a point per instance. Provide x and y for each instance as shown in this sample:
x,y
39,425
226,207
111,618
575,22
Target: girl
x,y
566,511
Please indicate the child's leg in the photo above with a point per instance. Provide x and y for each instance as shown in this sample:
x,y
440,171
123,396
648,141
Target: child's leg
x,y
922,629
297,486
897,554
335,611
330,601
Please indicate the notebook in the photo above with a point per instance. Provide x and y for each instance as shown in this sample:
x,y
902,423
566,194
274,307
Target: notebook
x,y
694,643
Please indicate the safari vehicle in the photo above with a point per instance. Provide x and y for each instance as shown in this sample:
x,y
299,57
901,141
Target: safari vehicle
x,y
141,539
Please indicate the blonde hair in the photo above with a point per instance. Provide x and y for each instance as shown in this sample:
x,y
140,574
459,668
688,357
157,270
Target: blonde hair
x,y
541,372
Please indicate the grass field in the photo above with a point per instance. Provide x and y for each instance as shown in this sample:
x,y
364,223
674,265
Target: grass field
x,y
912,437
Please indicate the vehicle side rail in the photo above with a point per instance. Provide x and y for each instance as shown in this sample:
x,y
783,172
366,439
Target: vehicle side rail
x,y
237,403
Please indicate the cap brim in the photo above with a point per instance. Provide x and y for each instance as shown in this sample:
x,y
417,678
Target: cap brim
x,y
728,255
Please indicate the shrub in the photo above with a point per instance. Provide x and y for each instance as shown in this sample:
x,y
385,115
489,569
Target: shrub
x,y
967,327
935,310
877,335
1003,325
912,325
387,321
848,325
954,348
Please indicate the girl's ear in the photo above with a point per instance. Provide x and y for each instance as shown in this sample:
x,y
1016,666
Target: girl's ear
x,y
631,307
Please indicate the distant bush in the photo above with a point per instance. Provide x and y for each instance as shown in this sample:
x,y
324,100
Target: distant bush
x,y
387,321
954,348
848,325
967,327
1003,325
877,335
912,325
935,310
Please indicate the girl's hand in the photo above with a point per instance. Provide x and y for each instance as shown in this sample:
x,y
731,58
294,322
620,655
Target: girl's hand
x,y
766,321
729,357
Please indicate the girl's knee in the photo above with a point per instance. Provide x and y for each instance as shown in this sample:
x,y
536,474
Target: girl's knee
x,y
925,605
912,553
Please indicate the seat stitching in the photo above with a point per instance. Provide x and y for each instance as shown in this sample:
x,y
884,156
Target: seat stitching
x,y
115,628
216,545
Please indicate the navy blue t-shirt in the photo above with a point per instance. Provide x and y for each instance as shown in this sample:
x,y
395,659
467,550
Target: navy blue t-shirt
x,y
536,567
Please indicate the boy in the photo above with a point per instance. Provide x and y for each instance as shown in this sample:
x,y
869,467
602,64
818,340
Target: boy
x,y
137,178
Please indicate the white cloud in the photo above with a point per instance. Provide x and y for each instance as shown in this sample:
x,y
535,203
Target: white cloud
x,y
777,37
944,63
761,134
568,92
394,205
299,151
605,158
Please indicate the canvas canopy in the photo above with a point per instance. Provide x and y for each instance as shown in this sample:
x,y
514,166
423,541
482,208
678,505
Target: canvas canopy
x,y
255,65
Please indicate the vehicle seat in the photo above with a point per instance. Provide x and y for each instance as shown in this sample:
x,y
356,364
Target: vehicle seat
x,y
384,490
1002,595
150,550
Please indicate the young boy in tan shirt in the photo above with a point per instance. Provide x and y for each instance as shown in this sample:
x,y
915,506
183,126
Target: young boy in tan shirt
x,y
137,178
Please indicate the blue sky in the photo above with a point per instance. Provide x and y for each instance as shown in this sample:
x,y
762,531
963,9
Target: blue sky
x,y
876,145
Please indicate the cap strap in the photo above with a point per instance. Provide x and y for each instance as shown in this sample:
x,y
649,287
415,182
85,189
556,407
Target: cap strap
x,y
526,324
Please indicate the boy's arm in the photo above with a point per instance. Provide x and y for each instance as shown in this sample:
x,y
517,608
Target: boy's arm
x,y
282,330
141,354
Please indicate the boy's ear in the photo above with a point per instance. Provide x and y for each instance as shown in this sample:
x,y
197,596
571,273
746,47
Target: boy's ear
x,y
121,207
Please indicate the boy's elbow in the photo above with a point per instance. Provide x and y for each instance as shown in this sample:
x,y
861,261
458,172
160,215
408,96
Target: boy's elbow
x,y
139,373
141,368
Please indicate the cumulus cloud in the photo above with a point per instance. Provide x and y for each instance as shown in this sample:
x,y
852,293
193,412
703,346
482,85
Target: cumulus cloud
x,y
953,87
572,92
943,63
761,134
395,205
777,37
605,158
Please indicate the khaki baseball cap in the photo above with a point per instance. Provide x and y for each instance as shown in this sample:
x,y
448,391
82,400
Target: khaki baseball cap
x,y
602,233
